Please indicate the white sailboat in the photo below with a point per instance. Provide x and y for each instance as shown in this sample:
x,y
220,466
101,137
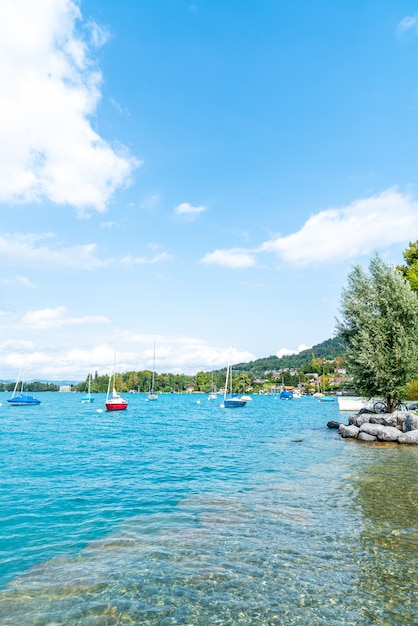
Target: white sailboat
x,y
152,395
212,394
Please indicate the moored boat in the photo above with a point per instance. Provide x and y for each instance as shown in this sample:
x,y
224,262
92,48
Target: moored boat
x,y
88,398
231,400
22,399
114,402
354,403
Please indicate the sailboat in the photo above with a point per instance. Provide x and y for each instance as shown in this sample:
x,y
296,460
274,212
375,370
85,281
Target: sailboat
x,y
231,400
152,395
88,398
114,402
21,398
212,394
285,394
322,396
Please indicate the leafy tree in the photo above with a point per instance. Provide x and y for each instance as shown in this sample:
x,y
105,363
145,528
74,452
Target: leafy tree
x,y
202,381
380,325
410,270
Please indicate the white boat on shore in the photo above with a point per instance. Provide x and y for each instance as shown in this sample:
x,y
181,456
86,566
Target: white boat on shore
x,y
354,403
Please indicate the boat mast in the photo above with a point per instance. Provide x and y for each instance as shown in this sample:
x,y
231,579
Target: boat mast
x,y
153,371
228,374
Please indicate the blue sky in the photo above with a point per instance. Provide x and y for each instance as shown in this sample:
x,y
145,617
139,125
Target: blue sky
x,y
198,174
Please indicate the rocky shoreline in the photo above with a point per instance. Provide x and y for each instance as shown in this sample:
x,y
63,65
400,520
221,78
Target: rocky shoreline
x,y
399,426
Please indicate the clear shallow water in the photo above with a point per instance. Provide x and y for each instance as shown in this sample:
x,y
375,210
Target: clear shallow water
x,y
179,512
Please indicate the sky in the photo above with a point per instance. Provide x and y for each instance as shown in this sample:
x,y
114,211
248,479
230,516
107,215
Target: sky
x,y
202,175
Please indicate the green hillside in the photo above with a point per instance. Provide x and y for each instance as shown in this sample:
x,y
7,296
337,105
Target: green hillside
x,y
329,349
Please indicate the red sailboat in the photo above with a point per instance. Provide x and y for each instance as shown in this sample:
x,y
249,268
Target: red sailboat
x,y
114,402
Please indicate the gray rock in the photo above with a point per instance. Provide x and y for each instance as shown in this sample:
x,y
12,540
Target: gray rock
x,y
409,437
389,433
348,431
371,429
385,419
383,433
333,424
362,436
411,422
359,420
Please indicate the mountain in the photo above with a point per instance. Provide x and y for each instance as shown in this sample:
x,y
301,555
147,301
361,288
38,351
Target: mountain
x,y
328,349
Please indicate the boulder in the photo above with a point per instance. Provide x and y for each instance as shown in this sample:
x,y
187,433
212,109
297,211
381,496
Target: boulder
x,y
409,437
362,436
358,420
389,433
364,410
385,419
411,422
332,424
383,433
371,429
348,431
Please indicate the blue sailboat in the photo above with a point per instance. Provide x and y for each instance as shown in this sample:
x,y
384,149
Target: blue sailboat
x,y
231,400
286,395
88,398
21,398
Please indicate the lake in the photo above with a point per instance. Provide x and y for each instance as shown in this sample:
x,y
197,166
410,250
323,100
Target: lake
x,y
181,512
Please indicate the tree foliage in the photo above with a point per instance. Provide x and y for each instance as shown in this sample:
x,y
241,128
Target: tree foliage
x,y
380,325
410,270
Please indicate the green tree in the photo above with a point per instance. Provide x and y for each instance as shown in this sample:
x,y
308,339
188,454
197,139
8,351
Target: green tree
x,y
410,270
202,381
380,326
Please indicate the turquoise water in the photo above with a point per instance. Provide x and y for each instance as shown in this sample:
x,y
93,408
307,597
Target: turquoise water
x,y
180,512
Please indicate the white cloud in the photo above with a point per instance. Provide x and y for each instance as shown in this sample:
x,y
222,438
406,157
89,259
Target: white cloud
x,y
181,354
150,203
19,280
235,258
288,352
57,318
50,91
357,229
408,23
188,212
30,250
55,355
157,258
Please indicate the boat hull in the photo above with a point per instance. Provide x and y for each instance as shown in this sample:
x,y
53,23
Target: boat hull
x,y
116,406
352,403
233,403
23,401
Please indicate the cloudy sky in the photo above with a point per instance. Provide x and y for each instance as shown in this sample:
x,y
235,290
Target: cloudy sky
x,y
196,174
